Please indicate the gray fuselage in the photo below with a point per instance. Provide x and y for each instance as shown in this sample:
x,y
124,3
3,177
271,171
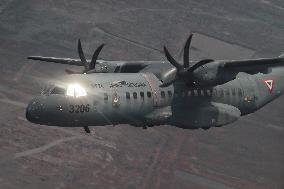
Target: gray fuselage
x,y
137,99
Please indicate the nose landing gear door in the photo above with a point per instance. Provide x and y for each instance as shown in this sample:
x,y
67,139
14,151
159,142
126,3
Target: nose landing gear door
x,y
154,85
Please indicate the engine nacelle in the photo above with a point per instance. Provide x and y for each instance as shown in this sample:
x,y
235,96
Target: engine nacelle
x,y
205,116
212,74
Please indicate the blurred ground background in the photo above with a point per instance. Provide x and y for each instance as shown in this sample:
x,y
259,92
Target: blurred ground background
x,y
246,154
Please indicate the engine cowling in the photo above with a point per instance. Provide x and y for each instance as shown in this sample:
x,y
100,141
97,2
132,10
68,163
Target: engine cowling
x,y
205,115
203,73
212,74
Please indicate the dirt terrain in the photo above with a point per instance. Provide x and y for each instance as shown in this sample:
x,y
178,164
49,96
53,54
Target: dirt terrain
x,y
246,154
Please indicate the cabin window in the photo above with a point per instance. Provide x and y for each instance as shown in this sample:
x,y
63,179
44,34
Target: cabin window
x,y
163,94
208,92
228,92
199,92
149,94
105,96
127,95
202,92
240,93
142,94
233,91
170,93
189,93
195,93
135,95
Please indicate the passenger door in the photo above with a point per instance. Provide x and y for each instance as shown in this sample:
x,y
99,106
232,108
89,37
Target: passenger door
x,y
154,85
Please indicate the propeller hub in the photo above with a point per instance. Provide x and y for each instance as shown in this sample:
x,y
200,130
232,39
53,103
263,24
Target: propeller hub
x,y
185,71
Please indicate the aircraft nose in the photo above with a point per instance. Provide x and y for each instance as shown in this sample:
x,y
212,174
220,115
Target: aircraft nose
x,y
34,110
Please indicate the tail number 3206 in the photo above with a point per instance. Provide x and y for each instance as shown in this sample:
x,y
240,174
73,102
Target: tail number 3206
x,y
79,108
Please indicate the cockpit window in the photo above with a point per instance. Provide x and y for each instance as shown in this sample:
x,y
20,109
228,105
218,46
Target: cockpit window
x,y
58,90
53,89
46,89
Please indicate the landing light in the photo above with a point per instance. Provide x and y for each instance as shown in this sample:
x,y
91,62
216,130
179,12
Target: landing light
x,y
75,90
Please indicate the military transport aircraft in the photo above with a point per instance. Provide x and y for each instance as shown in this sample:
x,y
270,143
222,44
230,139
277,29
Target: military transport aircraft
x,y
203,94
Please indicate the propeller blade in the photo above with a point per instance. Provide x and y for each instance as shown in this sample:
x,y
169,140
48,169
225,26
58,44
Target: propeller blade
x,y
171,59
186,52
200,63
82,56
71,72
95,57
184,72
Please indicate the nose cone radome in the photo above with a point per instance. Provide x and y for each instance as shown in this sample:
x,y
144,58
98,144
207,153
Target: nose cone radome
x,y
34,110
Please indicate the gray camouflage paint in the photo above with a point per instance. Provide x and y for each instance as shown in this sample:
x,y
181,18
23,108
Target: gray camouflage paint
x,y
188,108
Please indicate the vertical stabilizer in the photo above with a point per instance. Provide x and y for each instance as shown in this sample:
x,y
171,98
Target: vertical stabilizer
x,y
270,86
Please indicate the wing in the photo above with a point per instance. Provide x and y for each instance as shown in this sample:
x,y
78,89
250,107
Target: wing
x,y
253,65
76,62
113,66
